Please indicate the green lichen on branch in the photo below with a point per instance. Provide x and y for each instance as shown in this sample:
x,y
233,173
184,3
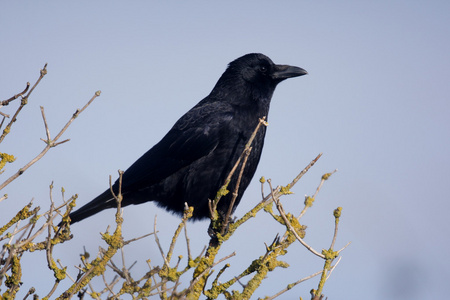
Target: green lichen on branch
x,y
62,237
130,287
299,228
327,175
285,190
223,191
60,274
6,130
6,158
330,254
72,203
13,281
23,214
259,267
337,212
171,274
114,240
203,265
269,208
98,266
309,201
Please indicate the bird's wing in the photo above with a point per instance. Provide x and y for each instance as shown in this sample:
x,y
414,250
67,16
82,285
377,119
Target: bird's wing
x,y
193,136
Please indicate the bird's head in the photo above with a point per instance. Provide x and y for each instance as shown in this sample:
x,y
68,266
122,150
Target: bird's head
x,y
256,74
257,68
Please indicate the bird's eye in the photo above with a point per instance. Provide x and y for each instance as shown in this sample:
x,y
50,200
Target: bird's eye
x,y
263,69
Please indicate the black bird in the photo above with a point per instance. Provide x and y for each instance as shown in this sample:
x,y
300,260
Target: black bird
x,y
193,159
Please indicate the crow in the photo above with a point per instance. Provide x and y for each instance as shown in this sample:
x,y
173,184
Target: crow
x,y
192,161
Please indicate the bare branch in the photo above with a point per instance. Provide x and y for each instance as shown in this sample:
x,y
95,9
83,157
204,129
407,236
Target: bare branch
x,y
138,238
158,243
235,192
6,102
22,103
290,286
348,244
244,153
309,200
46,126
289,225
49,143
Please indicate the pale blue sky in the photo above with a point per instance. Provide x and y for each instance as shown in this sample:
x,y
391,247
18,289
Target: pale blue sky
x,y
375,102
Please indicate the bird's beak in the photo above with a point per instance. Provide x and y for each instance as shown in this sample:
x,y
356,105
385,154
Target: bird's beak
x,y
282,72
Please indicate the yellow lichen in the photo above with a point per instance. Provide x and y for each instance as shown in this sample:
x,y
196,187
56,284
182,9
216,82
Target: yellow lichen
x,y
6,158
337,212
285,190
309,201
326,176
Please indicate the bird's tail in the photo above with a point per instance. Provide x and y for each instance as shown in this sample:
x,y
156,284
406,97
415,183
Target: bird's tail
x,y
101,202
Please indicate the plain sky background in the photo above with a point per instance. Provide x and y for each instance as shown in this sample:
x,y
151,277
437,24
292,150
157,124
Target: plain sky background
x,y
375,102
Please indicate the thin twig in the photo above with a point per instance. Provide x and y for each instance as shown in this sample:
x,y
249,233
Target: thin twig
x,y
49,143
235,192
30,292
339,251
289,225
52,290
116,269
186,215
324,177
262,121
207,270
124,268
138,238
62,267
262,180
28,225
24,101
336,223
294,181
6,102
47,131
333,267
303,172
187,243
159,245
290,286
